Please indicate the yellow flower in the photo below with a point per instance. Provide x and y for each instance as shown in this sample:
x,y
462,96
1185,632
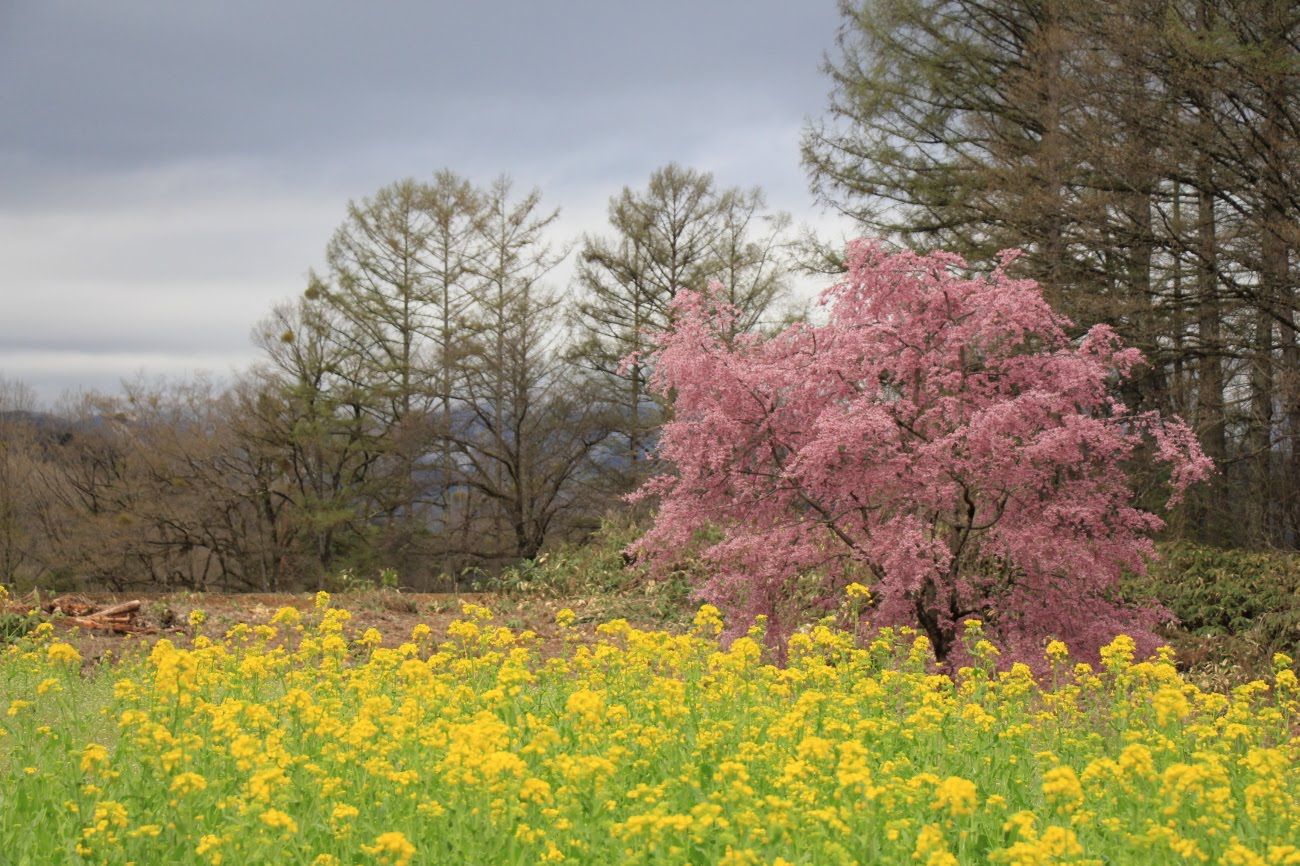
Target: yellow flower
x,y
585,704
287,616
1170,704
431,809
209,847
391,848
264,783
708,620
1118,654
197,618
62,652
1061,787
186,783
343,812
858,592
742,857
931,848
535,791
277,820
956,795
92,756
464,631
475,612
576,748
109,813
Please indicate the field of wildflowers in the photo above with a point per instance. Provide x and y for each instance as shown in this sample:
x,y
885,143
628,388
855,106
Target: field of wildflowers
x,y
301,741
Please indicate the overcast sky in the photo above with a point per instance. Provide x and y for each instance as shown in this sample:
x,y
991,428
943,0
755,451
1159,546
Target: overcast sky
x,y
168,171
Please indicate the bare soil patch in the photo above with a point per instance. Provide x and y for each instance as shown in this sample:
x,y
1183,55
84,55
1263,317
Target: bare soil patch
x,y
394,614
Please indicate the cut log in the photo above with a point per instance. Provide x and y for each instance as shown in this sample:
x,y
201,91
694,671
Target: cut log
x,y
118,626
126,607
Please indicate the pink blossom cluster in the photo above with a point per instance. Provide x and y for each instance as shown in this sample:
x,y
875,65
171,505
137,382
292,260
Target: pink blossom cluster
x,y
939,435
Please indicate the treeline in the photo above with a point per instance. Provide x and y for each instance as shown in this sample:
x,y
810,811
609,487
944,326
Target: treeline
x,y
433,403
436,402
1145,155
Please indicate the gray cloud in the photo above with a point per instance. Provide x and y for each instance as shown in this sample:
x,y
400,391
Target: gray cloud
x,y
170,170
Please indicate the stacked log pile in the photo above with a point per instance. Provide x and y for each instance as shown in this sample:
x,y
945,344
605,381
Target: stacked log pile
x,y
77,611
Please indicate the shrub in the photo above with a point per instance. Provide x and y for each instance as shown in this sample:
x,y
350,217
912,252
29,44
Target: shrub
x,y
593,567
1235,608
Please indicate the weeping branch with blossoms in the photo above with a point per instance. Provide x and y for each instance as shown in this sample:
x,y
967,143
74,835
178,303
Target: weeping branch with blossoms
x,y
940,432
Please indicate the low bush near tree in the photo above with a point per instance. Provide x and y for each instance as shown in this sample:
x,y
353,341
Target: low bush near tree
x,y
1235,608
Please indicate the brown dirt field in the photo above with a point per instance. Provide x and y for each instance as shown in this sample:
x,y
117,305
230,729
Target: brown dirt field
x,y
392,613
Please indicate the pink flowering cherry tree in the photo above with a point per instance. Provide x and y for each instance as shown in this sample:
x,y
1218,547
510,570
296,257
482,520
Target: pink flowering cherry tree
x,y
939,434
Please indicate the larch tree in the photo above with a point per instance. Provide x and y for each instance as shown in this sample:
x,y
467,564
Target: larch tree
x,y
1143,153
527,429
378,281
456,212
680,232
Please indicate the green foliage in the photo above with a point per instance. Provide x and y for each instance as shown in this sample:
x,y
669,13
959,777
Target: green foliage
x,y
1235,608
603,571
1214,591
347,581
595,567
382,592
14,626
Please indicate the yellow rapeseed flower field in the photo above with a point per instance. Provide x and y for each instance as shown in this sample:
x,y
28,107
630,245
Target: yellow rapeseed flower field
x,y
302,742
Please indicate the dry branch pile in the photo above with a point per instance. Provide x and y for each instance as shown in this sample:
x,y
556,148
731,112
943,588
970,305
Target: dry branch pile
x,y
77,611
